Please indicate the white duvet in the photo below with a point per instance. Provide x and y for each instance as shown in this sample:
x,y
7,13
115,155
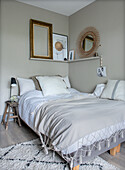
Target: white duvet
x,y
31,101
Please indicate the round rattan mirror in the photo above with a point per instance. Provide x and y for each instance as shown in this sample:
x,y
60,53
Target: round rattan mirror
x,y
88,42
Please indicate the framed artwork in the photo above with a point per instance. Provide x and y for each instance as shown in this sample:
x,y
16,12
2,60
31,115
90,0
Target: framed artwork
x,y
71,54
40,40
60,47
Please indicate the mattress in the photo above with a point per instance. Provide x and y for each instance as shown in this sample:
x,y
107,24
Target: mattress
x,y
31,101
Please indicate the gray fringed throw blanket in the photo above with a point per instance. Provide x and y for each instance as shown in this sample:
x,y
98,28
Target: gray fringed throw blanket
x,y
66,121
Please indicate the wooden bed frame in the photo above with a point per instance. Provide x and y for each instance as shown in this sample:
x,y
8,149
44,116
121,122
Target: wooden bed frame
x,y
113,152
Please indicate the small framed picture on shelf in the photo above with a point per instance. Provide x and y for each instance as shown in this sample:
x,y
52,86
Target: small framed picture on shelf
x,y
71,55
60,47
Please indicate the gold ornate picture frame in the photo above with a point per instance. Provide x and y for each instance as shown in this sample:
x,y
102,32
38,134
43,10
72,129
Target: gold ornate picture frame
x,y
41,43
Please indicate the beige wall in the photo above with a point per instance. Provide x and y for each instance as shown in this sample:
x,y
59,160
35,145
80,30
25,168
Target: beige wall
x,y
109,18
15,61
83,75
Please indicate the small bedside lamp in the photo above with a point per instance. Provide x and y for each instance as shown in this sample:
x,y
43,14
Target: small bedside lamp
x,y
12,84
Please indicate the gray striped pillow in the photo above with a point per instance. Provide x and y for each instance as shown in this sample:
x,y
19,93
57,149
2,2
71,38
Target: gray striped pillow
x,y
115,90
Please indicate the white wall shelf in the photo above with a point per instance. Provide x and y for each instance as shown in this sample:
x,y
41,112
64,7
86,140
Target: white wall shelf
x,y
83,59
71,61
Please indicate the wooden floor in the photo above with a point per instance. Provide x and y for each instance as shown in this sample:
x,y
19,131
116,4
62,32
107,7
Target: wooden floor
x,y
16,134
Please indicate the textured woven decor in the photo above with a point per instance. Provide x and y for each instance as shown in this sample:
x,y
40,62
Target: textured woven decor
x,y
30,156
95,34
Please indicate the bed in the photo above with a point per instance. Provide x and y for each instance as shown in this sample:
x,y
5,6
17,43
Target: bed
x,y
78,126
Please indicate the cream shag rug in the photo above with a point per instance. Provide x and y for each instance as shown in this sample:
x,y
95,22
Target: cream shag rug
x,y
30,156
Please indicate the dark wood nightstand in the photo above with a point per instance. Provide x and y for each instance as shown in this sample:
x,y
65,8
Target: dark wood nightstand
x,y
11,108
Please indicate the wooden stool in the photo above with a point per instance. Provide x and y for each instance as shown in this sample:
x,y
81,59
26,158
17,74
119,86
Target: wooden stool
x,y
14,106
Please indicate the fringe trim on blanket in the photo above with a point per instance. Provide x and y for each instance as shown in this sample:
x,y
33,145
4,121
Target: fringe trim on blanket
x,y
84,151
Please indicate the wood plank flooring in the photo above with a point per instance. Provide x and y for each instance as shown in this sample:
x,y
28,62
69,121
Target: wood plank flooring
x,y
16,134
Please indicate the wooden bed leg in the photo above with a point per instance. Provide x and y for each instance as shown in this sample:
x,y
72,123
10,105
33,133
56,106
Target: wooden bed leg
x,y
76,168
118,148
114,150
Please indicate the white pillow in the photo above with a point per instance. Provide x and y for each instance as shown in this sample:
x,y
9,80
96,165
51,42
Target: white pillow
x,y
25,85
115,89
99,89
52,85
66,79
